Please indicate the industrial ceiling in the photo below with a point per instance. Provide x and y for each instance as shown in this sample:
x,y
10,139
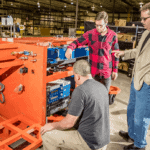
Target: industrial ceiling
x,y
35,7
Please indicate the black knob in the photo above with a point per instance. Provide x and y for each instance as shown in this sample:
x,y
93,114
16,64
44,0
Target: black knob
x,y
23,70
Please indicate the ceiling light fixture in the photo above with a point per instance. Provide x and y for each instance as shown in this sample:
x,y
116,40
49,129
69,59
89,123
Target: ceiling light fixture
x,y
93,7
65,6
38,3
141,3
11,3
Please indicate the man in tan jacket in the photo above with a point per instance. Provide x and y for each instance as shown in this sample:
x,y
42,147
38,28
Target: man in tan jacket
x,y
138,111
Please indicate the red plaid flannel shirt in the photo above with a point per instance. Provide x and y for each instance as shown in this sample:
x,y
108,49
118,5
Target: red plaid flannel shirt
x,y
102,61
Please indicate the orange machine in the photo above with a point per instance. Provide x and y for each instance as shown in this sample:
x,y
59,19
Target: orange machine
x,y
41,41
23,98
23,80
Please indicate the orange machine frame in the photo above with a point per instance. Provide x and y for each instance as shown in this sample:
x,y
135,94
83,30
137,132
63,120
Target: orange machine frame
x,y
30,102
41,40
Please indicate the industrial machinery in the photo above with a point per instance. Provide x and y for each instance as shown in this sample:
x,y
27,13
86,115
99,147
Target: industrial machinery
x,y
31,89
57,54
58,95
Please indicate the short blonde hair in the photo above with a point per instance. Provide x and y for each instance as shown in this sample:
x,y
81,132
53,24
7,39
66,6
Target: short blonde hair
x,y
145,8
82,67
102,15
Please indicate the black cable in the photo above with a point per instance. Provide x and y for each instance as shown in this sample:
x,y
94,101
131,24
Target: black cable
x,y
1,89
3,98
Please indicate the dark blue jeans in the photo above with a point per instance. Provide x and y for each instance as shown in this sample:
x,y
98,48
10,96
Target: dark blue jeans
x,y
138,114
105,82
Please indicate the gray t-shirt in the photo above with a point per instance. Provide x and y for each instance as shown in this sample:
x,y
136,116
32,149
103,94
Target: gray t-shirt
x,y
90,102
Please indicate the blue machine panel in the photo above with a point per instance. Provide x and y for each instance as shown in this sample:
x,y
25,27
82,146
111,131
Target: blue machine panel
x,y
57,90
65,87
80,52
53,92
52,55
58,53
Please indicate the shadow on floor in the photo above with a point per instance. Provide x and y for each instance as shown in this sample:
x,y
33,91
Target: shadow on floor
x,y
117,100
115,146
119,112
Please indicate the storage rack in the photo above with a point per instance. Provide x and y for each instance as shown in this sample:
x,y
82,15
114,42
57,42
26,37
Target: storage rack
x,y
137,31
12,29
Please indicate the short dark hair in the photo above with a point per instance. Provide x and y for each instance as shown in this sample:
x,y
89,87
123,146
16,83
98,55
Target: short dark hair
x,y
146,7
102,15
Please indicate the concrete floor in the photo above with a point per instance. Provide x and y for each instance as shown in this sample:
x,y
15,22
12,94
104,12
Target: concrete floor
x,y
118,117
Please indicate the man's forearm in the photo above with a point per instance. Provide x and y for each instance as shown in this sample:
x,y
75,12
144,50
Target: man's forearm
x,y
130,54
61,125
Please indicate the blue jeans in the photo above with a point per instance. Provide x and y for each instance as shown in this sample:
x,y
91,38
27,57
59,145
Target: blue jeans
x,y
138,114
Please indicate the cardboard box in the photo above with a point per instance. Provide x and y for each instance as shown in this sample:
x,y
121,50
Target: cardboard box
x,y
120,66
123,66
45,31
120,36
91,19
125,37
18,20
120,22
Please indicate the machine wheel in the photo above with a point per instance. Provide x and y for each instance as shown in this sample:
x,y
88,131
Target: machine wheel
x,y
111,98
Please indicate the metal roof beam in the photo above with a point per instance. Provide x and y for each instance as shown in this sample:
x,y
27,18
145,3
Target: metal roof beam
x,y
128,3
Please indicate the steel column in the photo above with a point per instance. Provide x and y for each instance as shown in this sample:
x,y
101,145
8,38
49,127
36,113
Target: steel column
x,y
76,14
113,10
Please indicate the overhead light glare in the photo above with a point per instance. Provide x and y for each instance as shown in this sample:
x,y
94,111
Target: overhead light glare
x,y
141,4
93,7
72,3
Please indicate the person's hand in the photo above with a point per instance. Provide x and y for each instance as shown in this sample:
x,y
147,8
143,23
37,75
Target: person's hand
x,y
46,127
114,75
68,53
118,53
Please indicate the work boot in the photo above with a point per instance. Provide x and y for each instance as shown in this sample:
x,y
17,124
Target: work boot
x,y
133,147
125,136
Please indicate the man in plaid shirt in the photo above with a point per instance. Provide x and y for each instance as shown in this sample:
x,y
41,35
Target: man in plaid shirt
x,y
101,41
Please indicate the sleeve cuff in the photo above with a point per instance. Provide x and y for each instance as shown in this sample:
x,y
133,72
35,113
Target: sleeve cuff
x,y
115,70
70,47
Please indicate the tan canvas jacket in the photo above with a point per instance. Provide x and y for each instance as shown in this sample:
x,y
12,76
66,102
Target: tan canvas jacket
x,y
141,70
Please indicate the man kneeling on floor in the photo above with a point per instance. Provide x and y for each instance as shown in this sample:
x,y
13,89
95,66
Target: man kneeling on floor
x,y
88,113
